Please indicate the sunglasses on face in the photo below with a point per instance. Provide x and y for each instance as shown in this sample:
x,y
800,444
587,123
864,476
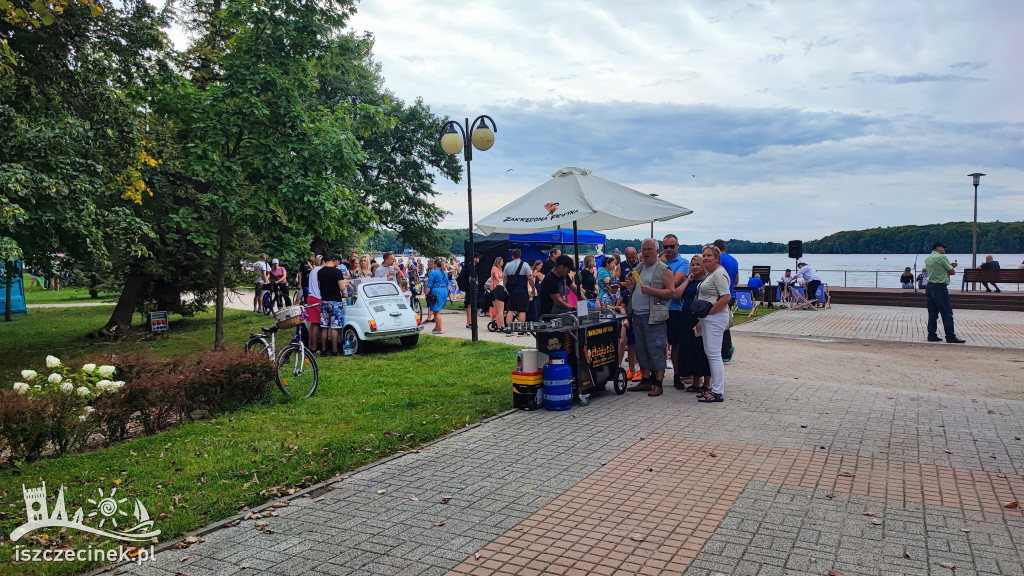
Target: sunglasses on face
x,y
669,246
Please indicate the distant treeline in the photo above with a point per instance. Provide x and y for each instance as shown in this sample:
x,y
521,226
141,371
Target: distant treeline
x,y
993,237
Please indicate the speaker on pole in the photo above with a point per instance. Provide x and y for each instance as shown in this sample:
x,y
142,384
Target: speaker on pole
x,y
796,249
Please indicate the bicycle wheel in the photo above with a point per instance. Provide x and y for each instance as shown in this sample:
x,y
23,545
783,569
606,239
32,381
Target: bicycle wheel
x,y
258,345
268,303
417,306
297,372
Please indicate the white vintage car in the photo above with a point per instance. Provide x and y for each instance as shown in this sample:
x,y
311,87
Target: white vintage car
x,y
379,311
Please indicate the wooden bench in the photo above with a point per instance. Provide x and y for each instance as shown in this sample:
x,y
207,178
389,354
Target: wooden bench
x,y
994,276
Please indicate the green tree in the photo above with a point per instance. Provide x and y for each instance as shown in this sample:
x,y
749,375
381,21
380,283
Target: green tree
x,y
252,149
69,166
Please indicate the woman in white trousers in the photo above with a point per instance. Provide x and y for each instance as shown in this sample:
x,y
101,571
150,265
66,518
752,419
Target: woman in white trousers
x,y
715,290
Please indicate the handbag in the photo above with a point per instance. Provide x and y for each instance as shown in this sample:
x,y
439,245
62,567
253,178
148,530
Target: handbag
x,y
431,299
700,308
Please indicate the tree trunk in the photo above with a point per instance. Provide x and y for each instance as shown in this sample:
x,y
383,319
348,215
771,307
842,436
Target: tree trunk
x,y
121,319
218,337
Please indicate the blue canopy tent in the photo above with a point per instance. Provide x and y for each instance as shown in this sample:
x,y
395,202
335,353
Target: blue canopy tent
x,y
533,246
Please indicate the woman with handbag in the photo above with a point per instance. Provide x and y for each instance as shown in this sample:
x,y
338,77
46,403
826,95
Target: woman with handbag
x,y
714,319
693,362
436,290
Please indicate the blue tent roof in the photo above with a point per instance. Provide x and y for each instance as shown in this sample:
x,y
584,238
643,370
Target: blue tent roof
x,y
562,236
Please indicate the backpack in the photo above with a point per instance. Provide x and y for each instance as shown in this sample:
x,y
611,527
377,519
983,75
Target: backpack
x,y
512,282
462,280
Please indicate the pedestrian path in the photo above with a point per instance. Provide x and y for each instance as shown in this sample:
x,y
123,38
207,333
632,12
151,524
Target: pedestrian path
x,y
788,476
989,328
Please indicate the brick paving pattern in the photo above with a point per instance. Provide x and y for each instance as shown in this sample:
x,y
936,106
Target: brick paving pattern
x,y
628,485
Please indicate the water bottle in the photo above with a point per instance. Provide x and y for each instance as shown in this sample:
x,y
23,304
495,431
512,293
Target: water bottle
x,y
348,348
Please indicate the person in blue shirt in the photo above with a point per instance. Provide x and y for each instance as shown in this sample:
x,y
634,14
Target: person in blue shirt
x,y
680,268
732,267
756,287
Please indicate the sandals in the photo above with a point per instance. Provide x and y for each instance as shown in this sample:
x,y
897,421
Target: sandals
x,y
710,396
436,332
693,388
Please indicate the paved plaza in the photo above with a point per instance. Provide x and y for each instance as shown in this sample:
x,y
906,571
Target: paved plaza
x,y
794,474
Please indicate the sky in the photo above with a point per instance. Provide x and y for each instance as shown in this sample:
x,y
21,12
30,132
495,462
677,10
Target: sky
x,y
772,121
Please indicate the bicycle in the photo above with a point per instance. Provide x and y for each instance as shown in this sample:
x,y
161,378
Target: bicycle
x,y
296,367
414,302
275,294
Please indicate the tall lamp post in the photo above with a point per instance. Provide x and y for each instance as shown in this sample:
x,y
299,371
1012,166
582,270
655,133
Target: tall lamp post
x,y
974,246
652,221
454,140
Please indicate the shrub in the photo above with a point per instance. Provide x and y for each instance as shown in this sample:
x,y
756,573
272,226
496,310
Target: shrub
x,y
221,380
67,406
23,425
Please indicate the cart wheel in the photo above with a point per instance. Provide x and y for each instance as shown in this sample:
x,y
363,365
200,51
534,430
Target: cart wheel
x,y
620,381
584,399
492,326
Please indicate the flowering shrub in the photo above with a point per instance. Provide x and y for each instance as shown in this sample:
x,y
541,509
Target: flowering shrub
x,y
68,405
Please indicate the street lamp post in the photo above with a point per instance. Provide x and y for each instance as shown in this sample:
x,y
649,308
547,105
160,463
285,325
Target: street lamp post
x,y
652,221
453,140
974,246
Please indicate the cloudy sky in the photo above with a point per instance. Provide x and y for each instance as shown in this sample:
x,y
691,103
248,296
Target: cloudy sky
x,y
771,120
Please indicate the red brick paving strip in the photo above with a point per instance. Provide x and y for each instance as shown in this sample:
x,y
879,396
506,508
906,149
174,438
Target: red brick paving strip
x,y
652,508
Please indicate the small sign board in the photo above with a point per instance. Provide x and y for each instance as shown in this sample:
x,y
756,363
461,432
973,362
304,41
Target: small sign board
x,y
158,321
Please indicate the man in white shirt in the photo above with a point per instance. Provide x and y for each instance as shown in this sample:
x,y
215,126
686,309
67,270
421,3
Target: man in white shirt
x,y
387,269
261,273
810,278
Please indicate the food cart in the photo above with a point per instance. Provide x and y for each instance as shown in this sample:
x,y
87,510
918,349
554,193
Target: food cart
x,y
591,342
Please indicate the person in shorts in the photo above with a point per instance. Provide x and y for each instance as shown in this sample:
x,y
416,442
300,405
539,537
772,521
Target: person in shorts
x,y
518,285
261,276
313,301
332,306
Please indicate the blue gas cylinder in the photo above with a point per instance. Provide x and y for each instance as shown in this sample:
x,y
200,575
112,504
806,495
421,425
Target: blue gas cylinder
x,y
557,382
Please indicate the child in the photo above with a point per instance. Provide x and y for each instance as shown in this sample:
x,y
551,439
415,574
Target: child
x,y
612,298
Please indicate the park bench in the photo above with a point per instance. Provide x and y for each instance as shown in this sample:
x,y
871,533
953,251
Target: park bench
x,y
994,275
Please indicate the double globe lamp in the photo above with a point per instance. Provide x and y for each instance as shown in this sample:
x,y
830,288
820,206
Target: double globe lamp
x,y
453,141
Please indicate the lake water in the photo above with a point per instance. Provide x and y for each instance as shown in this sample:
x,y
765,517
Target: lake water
x,y
861,270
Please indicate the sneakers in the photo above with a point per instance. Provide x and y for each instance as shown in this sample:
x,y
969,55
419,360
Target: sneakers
x,y
637,376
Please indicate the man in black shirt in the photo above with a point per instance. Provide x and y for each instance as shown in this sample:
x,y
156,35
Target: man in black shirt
x,y
626,266
549,264
332,307
554,285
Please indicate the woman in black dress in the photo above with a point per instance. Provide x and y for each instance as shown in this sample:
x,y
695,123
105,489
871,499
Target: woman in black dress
x,y
693,362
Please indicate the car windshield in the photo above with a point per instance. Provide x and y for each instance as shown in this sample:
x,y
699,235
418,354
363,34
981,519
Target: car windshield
x,y
378,289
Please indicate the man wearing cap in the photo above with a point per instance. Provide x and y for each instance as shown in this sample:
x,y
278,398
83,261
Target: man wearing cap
x,y
555,285
937,291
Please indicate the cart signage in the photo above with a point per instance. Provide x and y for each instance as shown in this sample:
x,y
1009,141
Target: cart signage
x,y
602,346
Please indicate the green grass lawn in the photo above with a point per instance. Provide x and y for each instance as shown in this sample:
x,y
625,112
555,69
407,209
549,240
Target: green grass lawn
x,y
71,294
367,407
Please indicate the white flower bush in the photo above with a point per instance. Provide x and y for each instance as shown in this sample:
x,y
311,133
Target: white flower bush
x,y
106,371
67,387
88,368
83,391
52,361
54,378
20,387
29,374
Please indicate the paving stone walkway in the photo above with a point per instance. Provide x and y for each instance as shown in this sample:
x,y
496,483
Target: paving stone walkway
x,y
803,478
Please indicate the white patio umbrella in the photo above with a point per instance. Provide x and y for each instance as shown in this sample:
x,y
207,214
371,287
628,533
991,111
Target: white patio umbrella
x,y
576,197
